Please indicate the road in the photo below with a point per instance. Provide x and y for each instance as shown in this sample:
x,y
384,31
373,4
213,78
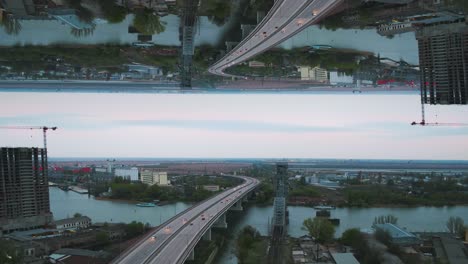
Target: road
x,y
285,19
173,241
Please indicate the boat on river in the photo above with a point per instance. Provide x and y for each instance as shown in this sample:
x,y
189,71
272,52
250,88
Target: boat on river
x,y
146,204
324,207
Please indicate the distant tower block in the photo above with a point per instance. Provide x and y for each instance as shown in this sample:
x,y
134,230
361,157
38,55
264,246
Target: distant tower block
x,y
246,29
230,45
443,59
24,198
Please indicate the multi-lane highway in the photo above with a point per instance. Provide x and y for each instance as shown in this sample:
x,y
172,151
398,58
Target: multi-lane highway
x,y
174,240
285,19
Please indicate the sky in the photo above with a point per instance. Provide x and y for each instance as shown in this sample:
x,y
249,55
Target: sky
x,y
343,126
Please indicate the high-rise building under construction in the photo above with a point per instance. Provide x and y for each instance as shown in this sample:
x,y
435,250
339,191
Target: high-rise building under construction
x,y
443,59
24,190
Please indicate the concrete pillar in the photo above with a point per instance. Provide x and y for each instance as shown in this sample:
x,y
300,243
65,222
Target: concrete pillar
x,y
191,255
237,206
245,198
221,222
207,235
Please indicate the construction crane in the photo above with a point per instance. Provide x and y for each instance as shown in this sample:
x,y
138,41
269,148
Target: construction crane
x,y
438,124
43,128
424,123
423,118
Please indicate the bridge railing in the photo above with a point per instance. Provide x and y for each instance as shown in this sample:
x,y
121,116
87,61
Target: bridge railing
x,y
208,225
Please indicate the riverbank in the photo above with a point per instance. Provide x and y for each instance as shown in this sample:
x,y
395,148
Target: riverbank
x,y
65,204
161,203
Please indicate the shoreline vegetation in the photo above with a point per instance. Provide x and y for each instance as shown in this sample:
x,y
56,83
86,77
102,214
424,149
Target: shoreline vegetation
x,y
437,194
319,196
295,204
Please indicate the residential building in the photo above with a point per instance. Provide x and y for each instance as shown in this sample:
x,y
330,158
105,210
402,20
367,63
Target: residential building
x,y
313,74
443,59
152,177
73,223
128,173
24,198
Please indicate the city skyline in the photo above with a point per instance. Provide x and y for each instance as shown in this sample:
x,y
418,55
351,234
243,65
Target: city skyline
x,y
364,126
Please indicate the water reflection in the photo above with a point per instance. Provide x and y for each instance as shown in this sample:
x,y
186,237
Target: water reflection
x,y
52,32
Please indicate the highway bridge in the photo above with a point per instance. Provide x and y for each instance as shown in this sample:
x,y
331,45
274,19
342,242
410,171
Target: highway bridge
x,y
285,19
174,241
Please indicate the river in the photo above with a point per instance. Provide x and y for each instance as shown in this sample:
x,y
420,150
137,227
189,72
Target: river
x,y
65,204
52,32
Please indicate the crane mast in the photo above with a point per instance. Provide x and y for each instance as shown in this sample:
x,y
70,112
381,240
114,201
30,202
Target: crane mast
x,y
43,128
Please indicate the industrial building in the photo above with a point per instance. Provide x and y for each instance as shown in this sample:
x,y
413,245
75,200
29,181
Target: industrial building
x,y
24,198
443,59
399,236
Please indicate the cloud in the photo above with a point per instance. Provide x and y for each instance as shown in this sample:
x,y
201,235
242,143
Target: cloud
x,y
232,125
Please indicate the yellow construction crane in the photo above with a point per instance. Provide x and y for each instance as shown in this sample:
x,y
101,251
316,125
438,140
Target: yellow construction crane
x,y
43,128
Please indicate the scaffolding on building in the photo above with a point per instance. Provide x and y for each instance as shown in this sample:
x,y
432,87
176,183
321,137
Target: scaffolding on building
x,y
187,36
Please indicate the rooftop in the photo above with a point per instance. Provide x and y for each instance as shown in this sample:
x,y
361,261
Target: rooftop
x,y
344,258
72,220
395,231
81,252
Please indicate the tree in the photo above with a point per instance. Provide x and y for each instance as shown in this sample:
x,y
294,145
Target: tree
x,y
12,25
134,229
218,11
456,226
384,219
84,32
319,228
147,22
383,236
9,254
112,12
102,237
352,237
77,215
83,13
246,239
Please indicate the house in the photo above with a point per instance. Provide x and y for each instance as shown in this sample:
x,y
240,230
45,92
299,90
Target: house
x,y
73,223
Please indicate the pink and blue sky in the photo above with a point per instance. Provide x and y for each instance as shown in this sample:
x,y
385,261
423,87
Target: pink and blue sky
x,y
372,126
